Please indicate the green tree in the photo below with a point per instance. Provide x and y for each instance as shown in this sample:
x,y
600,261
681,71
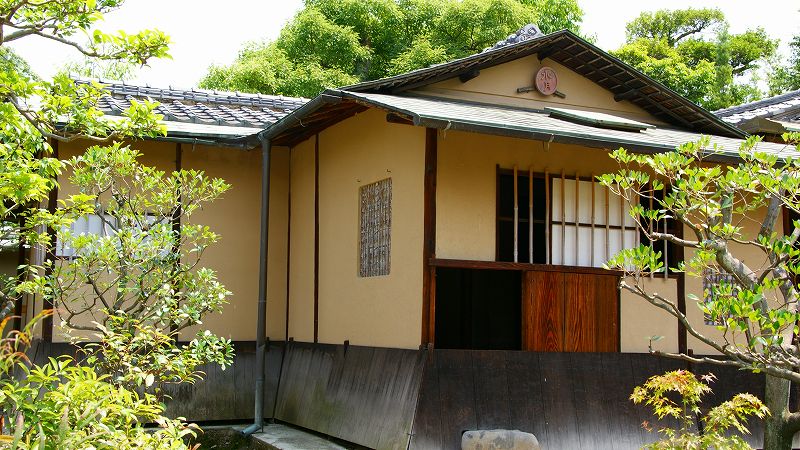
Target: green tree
x,y
100,69
691,51
786,77
35,112
755,307
139,283
332,43
63,404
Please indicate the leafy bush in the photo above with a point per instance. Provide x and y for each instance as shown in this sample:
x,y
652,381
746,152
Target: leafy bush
x,y
728,416
63,406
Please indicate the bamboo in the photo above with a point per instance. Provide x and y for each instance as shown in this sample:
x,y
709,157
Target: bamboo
x,y
666,246
563,218
650,229
608,230
530,214
577,215
591,257
547,214
516,217
622,222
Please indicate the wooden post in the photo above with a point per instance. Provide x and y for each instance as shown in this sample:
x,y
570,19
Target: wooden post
x,y
429,238
516,216
316,238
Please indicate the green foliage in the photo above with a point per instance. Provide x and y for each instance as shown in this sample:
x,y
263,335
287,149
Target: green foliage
x,y
63,406
757,310
139,283
731,415
786,77
691,51
100,69
332,43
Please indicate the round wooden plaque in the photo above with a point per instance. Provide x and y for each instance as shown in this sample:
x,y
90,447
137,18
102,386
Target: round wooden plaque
x,y
546,81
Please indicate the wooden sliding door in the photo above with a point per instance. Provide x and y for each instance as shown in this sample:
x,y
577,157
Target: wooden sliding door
x,y
570,312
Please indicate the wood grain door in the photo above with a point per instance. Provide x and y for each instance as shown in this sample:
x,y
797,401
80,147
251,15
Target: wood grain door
x,y
570,312
543,311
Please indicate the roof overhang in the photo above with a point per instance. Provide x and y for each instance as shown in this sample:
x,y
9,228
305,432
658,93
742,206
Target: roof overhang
x,y
335,105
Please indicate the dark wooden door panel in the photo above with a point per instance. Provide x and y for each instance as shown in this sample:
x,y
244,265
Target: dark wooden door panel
x,y
543,312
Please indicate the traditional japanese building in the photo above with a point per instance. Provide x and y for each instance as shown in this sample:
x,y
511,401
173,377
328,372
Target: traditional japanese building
x,y
434,244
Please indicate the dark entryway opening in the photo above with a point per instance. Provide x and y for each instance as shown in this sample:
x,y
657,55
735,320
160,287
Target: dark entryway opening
x,y
478,309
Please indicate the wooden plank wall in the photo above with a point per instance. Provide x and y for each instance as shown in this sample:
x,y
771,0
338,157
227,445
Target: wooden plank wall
x,y
363,395
221,396
570,401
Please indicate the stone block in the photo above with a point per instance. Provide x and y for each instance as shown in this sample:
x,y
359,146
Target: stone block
x,y
499,440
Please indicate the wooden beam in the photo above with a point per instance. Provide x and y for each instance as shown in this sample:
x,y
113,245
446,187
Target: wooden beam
x,y
468,75
52,204
429,237
397,118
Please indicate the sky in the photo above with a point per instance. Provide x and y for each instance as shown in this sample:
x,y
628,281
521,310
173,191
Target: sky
x,y
203,33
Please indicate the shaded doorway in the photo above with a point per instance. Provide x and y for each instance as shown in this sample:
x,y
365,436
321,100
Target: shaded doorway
x,y
478,309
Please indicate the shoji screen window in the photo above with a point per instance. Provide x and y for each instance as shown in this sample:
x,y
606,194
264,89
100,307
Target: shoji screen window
x,y
91,224
589,224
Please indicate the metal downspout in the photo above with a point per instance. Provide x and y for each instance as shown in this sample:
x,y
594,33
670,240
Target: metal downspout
x,y
261,328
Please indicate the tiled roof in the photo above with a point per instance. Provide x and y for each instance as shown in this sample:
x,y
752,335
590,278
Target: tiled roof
x,y
229,109
784,107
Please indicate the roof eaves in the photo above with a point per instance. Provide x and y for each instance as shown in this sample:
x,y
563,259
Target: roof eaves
x,y
496,56
327,97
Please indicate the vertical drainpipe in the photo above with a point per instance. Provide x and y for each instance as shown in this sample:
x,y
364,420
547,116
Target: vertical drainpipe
x,y
261,328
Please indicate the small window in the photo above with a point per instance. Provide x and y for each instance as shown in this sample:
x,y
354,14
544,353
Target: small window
x,y
375,228
711,290
91,224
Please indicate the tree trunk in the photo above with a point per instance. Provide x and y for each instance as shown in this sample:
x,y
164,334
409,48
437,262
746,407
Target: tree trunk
x,y
777,433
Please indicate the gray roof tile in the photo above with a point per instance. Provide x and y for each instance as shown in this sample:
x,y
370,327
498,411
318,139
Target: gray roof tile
x,y
785,107
233,109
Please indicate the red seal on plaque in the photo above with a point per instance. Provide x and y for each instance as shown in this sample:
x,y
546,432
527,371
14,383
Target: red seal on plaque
x,y
546,81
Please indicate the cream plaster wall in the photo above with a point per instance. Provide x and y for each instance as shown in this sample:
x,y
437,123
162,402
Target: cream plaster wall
x,y
379,311
301,258
499,85
236,218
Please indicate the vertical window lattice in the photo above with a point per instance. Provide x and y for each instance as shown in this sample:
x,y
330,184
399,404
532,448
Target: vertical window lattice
x,y
375,228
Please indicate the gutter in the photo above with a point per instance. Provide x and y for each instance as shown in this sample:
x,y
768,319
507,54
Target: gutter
x,y
261,327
